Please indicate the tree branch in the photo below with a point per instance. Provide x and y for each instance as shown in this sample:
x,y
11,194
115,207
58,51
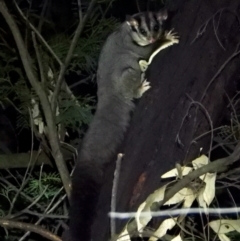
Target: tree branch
x,y
219,165
50,118
38,34
64,66
29,227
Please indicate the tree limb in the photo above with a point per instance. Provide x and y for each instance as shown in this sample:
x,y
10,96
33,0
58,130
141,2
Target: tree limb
x,y
50,118
215,166
29,227
219,165
64,66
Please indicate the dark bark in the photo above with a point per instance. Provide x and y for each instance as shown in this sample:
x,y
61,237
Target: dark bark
x,y
177,73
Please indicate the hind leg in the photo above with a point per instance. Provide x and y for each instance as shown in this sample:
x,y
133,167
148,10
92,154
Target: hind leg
x,y
133,84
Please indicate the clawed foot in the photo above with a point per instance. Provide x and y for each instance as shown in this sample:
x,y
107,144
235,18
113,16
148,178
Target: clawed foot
x,y
172,36
169,39
144,87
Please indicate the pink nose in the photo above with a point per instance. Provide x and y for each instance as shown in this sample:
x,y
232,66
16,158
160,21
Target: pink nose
x,y
152,40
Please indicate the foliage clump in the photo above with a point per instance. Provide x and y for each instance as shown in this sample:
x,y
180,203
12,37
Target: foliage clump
x,y
48,105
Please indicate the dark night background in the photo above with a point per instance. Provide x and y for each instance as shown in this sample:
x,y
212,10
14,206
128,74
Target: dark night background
x,y
179,76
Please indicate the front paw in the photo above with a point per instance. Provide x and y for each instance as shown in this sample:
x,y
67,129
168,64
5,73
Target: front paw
x,y
172,36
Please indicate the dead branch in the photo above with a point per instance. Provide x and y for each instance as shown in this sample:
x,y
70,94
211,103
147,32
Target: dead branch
x,y
78,32
219,165
29,227
49,116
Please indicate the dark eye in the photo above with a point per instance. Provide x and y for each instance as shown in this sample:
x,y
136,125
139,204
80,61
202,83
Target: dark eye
x,y
133,29
143,31
156,28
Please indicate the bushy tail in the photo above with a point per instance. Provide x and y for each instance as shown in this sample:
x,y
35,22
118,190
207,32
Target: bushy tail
x,y
86,184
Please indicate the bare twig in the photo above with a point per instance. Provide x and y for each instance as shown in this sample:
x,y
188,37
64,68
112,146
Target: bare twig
x,y
235,54
215,28
82,81
21,193
53,216
50,118
216,166
30,227
80,10
234,203
39,58
203,27
138,7
114,192
38,34
199,105
196,103
48,210
28,207
223,66
30,165
78,32
41,21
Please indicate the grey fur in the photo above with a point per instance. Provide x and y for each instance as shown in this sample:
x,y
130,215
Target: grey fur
x,y
119,82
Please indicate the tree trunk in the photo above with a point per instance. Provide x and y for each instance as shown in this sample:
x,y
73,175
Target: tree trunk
x,y
182,78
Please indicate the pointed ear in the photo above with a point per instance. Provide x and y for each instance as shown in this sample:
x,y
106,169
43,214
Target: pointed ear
x,y
131,21
162,14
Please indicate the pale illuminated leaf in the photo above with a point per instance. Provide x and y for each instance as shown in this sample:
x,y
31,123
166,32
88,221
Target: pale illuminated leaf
x,y
189,198
124,236
223,237
200,198
166,225
178,197
174,172
157,196
141,222
223,226
200,161
209,190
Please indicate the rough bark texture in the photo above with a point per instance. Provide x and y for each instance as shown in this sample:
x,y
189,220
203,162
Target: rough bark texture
x,y
180,71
